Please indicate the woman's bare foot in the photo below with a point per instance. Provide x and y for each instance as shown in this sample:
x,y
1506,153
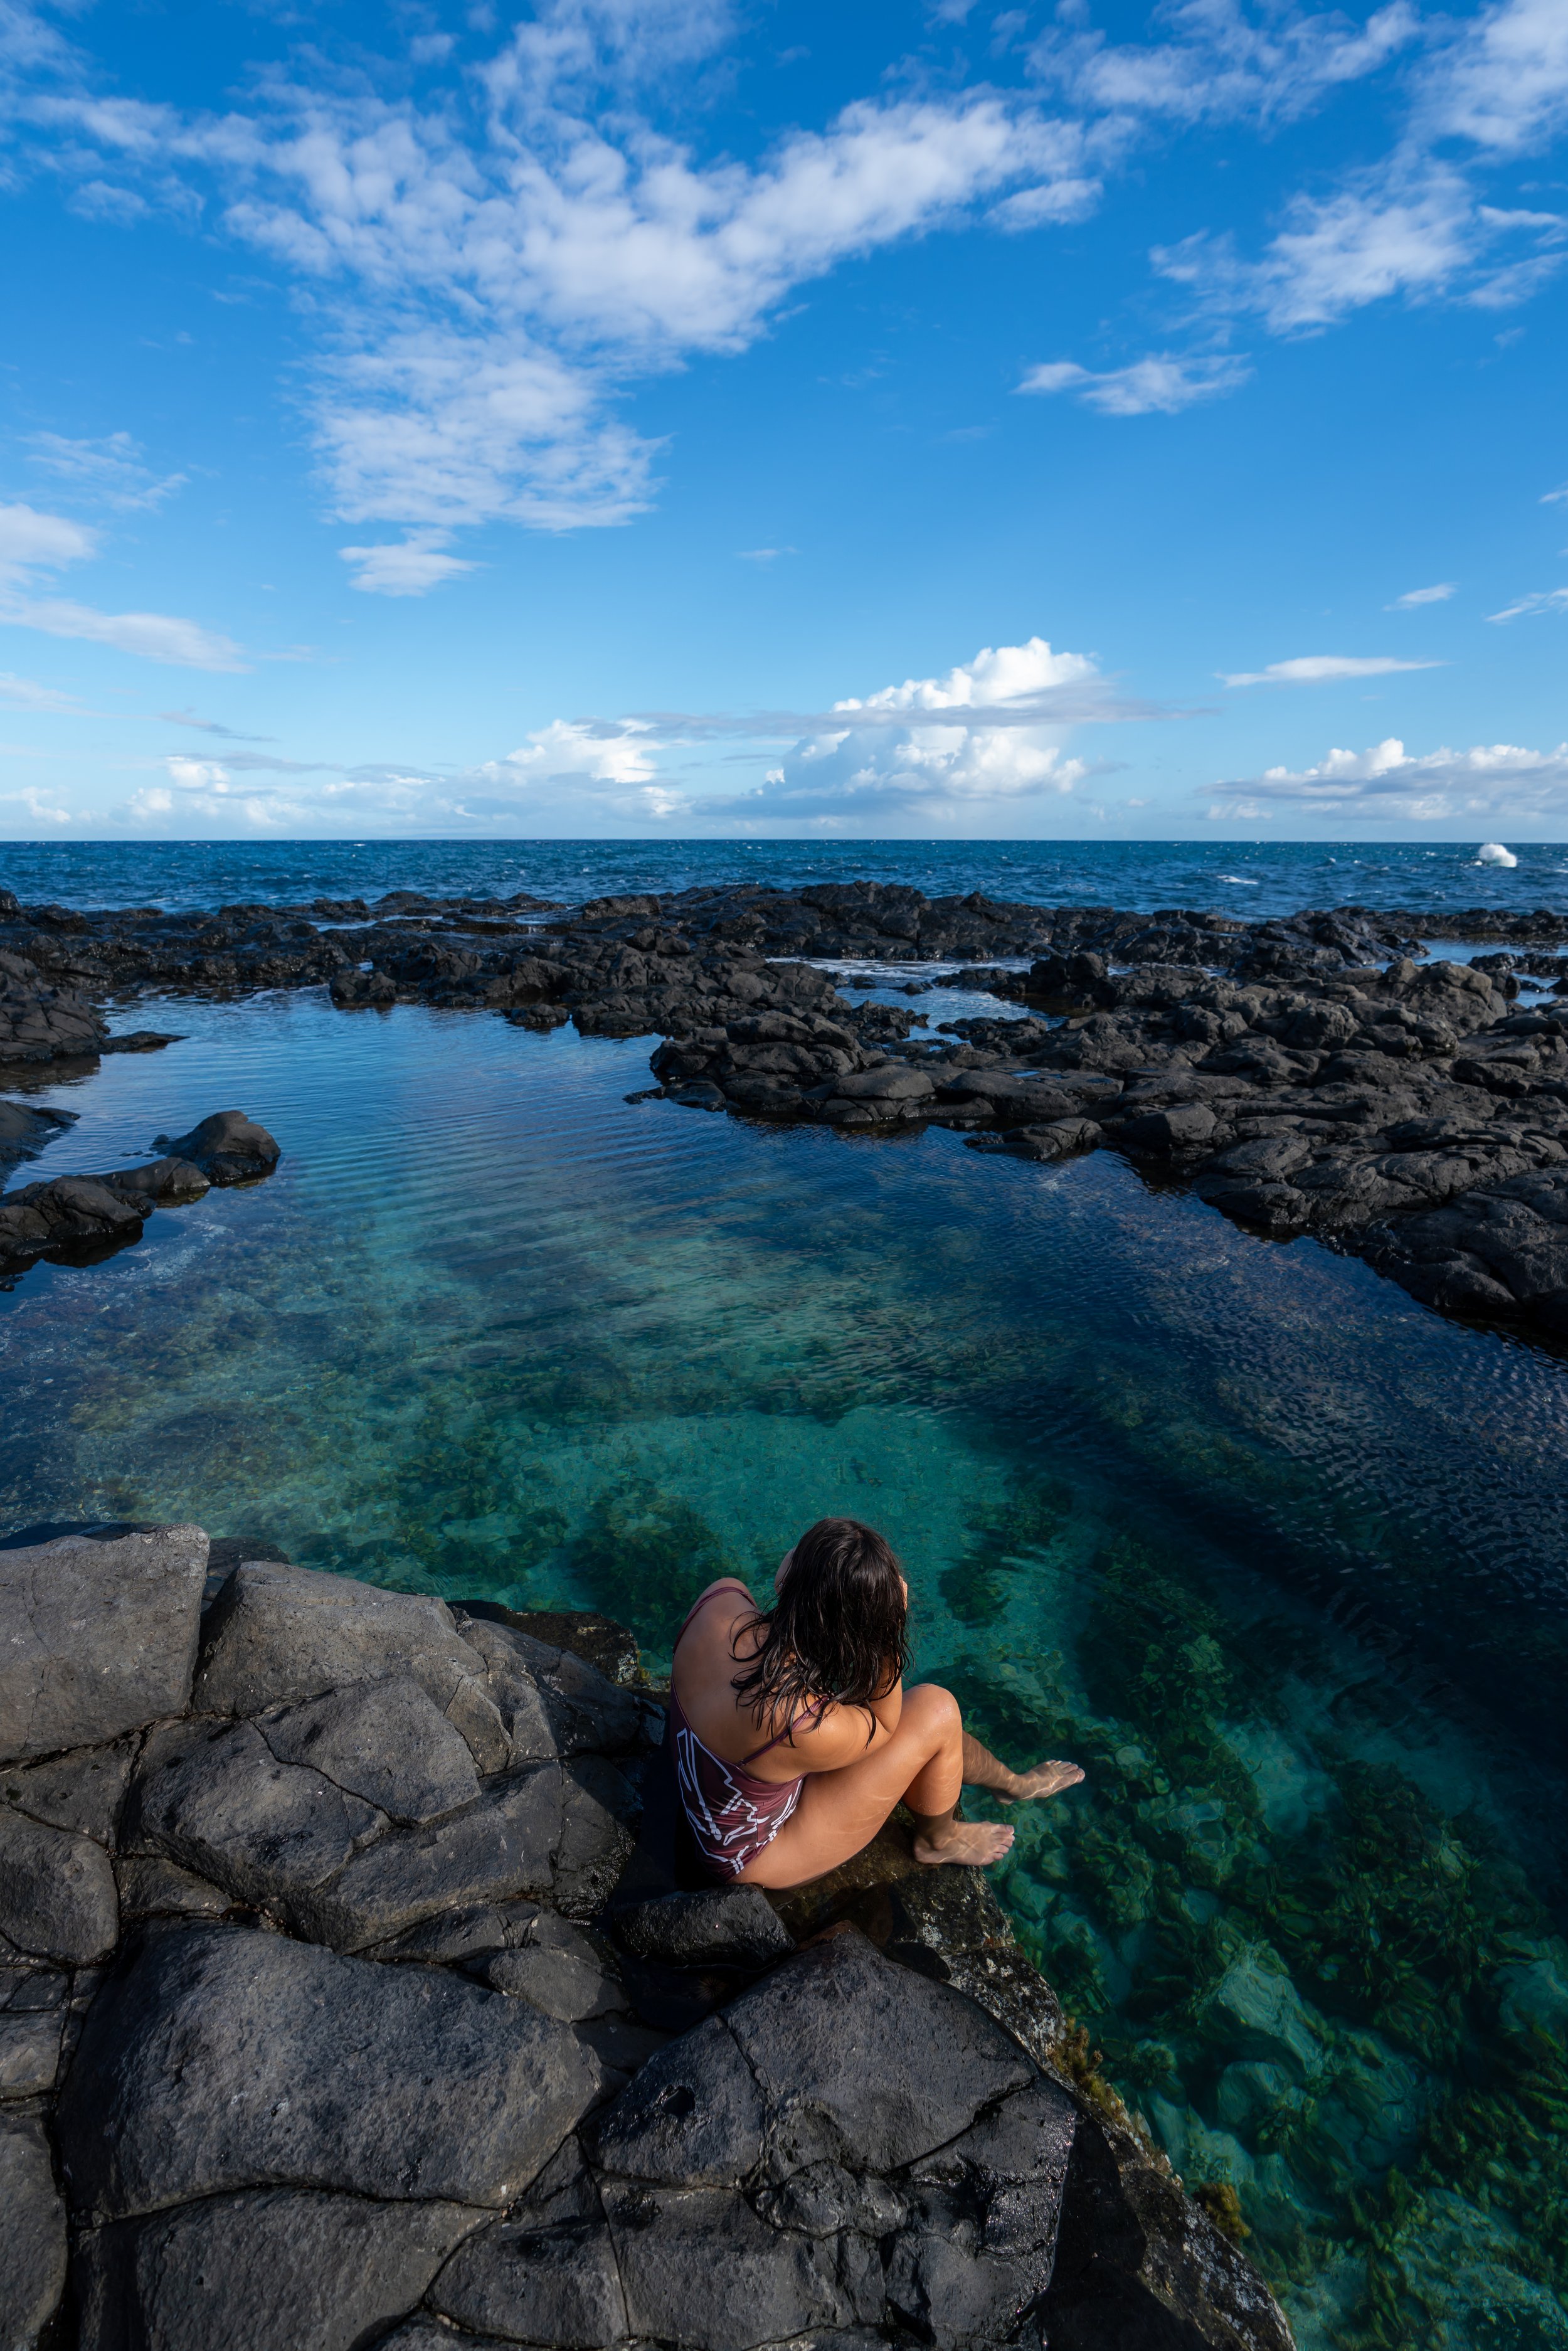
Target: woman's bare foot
x,y
976,1841
1045,1779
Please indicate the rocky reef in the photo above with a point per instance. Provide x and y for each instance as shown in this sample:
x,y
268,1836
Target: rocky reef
x,y
75,1219
349,1996
1311,1075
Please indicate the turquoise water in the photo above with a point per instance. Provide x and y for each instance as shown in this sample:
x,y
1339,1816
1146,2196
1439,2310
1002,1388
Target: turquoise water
x,y
1272,1552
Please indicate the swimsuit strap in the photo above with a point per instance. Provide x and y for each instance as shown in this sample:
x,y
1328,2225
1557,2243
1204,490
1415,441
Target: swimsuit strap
x,y
725,1584
789,1730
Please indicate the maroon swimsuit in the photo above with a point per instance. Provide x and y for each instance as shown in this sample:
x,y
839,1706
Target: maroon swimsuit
x,y
732,1815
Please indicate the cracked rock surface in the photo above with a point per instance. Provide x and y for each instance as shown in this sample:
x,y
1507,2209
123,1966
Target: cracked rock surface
x,y
349,1998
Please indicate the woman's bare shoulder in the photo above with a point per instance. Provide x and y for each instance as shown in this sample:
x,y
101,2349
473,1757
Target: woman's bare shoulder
x,y
838,1736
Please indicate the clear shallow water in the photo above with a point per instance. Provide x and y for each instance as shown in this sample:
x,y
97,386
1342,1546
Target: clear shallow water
x,y
1275,1554
1251,880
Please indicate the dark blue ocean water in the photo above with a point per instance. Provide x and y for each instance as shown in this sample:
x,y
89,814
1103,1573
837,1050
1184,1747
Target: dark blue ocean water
x,y
1275,1552
1267,878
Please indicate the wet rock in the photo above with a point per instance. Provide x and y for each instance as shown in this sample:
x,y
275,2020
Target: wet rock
x,y
352,990
228,1148
27,1129
33,2240
387,1742
734,1925
221,2059
39,1022
96,1637
278,2270
58,1894
139,1040
160,1183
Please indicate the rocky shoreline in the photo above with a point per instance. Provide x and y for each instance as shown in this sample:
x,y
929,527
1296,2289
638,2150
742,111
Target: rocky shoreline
x,y
1315,1075
350,1997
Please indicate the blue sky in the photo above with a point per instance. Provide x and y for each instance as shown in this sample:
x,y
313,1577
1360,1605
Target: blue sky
x,y
669,417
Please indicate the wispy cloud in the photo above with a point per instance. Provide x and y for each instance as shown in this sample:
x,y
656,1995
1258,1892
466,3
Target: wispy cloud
x,y
1163,384
1324,669
112,472
33,544
1548,600
1413,597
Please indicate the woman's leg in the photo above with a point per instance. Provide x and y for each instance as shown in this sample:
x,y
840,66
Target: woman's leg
x,y
925,1763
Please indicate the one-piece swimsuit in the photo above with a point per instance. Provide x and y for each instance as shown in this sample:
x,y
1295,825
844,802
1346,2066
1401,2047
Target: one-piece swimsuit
x,y
734,1816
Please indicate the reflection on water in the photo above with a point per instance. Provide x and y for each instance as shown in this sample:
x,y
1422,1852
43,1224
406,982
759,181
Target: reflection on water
x,y
1270,1550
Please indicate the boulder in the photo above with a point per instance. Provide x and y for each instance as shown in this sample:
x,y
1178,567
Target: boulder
x,y
505,1846
58,1894
733,1926
213,1798
549,2285
33,2239
96,1636
220,2059
276,1634
387,1742
278,2269
699,2268
228,1148
82,1791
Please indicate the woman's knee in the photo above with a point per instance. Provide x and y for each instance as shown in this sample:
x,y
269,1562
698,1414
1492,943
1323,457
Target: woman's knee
x,y
935,1710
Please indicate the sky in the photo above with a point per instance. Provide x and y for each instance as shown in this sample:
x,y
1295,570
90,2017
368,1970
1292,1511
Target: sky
x,y
682,417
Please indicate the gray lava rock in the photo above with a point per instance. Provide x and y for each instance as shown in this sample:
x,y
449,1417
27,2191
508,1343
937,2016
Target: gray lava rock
x,y
281,2270
83,1790
215,1800
33,2239
30,2044
505,1846
57,1896
228,1148
692,2117
556,2285
734,1925
861,2062
277,1634
387,1742
699,2268
151,1887
597,1803
96,1637
223,2059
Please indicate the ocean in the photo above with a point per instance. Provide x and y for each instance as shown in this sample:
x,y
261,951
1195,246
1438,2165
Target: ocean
x,y
1274,1552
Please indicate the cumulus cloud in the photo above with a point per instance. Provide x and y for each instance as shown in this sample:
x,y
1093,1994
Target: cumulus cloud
x,y
1163,383
1414,597
32,544
1324,669
1491,780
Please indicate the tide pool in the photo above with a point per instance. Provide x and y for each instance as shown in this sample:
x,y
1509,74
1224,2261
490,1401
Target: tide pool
x,y
1272,1552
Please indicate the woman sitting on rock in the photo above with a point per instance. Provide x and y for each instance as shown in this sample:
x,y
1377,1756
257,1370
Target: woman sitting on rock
x,y
794,1736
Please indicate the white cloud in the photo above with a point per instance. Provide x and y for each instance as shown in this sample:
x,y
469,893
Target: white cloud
x,y
1414,597
404,567
112,470
31,543
1056,200
997,673
1222,65
1324,669
23,693
1385,782
1163,384
1502,82
1548,600
603,751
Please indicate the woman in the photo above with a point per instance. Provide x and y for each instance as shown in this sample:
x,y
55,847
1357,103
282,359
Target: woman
x,y
794,1736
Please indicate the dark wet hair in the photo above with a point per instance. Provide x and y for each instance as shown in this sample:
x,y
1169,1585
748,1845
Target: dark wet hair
x,y
837,1629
